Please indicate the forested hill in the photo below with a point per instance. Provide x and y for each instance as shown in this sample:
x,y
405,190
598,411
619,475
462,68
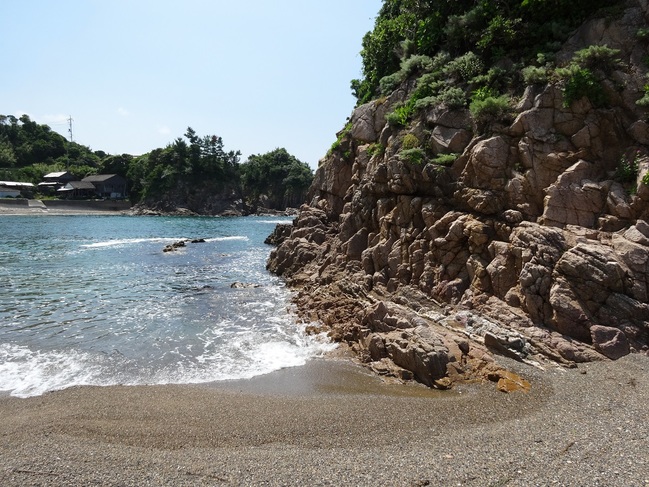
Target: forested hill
x,y
193,172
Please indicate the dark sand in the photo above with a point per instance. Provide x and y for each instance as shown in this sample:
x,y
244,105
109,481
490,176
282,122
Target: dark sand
x,y
331,423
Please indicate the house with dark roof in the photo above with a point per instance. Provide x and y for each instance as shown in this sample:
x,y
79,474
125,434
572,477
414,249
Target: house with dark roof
x,y
77,190
111,186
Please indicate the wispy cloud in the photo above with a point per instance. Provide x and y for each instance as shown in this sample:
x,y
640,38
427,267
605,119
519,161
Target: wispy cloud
x,y
47,119
123,112
58,118
164,130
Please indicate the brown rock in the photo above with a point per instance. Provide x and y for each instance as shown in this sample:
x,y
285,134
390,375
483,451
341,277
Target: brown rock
x,y
610,342
511,382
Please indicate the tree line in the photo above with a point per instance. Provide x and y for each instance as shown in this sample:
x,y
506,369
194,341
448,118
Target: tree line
x,y
276,180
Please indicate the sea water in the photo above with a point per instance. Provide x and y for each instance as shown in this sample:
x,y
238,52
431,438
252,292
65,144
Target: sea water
x,y
94,300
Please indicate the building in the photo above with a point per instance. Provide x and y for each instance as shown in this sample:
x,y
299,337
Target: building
x,y
6,192
111,186
77,190
54,181
26,190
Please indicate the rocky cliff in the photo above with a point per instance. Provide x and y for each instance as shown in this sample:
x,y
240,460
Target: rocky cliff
x,y
203,199
532,244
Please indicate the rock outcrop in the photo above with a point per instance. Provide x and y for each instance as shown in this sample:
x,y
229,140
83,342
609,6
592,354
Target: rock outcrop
x,y
185,201
528,246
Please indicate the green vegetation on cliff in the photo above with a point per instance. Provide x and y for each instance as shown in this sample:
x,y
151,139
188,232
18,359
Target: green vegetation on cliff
x,y
431,35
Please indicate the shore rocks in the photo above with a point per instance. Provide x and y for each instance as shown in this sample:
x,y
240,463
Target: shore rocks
x,y
280,233
529,246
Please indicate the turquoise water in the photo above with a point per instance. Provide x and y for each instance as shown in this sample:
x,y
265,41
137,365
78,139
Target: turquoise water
x,y
95,300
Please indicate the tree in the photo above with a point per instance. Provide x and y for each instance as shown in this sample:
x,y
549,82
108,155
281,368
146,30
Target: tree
x,y
278,177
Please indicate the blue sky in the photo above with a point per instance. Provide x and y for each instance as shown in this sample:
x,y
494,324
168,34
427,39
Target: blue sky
x,y
134,74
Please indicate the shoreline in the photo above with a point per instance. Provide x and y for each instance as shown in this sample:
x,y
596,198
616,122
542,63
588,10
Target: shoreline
x,y
330,422
62,208
81,208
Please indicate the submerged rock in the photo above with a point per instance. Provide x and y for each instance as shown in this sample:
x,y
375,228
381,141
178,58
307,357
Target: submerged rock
x,y
244,285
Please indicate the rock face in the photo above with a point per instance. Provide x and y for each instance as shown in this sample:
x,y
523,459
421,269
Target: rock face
x,y
527,246
187,200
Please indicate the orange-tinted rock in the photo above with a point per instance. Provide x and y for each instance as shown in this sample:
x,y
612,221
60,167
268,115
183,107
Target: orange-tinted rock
x,y
511,382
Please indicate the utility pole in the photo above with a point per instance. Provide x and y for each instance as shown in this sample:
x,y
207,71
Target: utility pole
x,y
67,163
70,127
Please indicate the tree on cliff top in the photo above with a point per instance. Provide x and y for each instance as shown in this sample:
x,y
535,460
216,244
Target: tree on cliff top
x,y
190,162
278,176
513,29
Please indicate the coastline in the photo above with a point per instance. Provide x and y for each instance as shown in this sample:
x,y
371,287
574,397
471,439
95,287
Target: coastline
x,y
60,208
23,207
332,423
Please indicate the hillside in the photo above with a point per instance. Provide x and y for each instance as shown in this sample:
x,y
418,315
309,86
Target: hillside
x,y
489,195
193,174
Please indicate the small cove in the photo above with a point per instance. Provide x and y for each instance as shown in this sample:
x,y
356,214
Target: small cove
x,y
94,300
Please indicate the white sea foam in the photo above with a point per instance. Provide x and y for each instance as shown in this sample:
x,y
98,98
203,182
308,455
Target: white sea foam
x,y
134,241
123,242
26,373
276,222
225,239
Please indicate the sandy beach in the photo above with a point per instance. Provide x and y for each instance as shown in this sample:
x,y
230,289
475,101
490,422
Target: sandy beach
x,y
332,423
10,207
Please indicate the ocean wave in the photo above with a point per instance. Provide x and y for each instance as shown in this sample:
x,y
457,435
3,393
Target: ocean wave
x,y
226,239
135,241
126,241
27,373
275,222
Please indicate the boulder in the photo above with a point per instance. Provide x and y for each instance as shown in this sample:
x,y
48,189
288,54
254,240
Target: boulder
x,y
610,342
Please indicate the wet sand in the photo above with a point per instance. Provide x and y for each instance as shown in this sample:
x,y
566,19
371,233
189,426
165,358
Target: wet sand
x,y
332,423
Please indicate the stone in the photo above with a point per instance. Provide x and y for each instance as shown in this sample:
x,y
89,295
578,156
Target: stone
x,y
610,342
281,232
174,246
244,285
511,382
421,351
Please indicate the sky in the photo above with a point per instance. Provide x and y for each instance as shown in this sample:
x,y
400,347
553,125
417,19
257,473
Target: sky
x,y
134,74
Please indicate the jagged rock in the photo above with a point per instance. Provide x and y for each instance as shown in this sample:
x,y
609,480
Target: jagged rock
x,y
281,232
174,246
527,246
421,351
575,199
